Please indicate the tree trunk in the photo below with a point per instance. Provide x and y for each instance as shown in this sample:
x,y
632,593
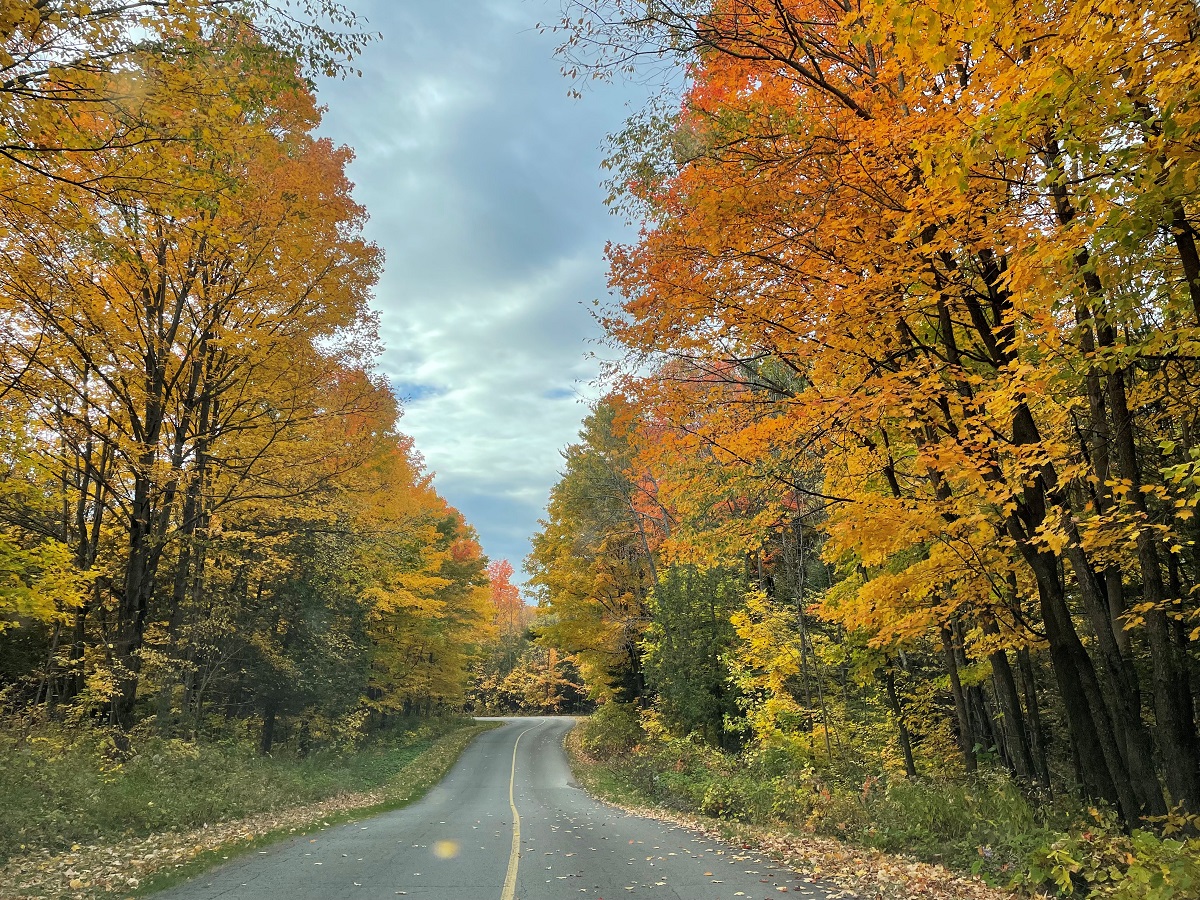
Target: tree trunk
x,y
1105,776
966,738
1011,720
1119,731
1176,729
268,727
1176,726
1037,734
889,683
1185,243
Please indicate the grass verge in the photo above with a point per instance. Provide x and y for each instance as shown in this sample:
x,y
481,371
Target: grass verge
x,y
890,839
144,858
838,865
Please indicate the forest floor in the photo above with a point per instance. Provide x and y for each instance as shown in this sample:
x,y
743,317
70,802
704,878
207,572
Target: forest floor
x,y
135,861
861,872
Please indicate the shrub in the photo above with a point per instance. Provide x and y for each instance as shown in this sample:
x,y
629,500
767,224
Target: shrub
x,y
986,825
612,730
1101,862
1162,869
721,800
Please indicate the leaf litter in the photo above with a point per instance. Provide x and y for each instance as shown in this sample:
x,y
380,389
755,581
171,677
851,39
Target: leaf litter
x,y
118,869
846,872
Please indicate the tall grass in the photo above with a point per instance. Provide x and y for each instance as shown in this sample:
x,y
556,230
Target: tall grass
x,y
984,825
59,788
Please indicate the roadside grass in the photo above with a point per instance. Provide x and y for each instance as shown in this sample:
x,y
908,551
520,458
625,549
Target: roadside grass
x,y
876,833
81,827
836,866
984,829
58,789
424,769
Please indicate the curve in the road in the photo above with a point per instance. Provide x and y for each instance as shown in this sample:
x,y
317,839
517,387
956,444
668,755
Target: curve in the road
x,y
507,822
514,856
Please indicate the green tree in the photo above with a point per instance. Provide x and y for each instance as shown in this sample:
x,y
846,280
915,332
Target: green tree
x,y
593,559
684,649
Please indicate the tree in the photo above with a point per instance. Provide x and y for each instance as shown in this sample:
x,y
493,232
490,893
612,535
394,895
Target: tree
x,y
508,609
206,510
593,560
690,633
75,77
977,279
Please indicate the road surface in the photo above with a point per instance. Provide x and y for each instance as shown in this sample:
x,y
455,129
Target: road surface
x,y
463,842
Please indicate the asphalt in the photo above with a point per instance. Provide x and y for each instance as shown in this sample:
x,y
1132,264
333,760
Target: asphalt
x,y
457,843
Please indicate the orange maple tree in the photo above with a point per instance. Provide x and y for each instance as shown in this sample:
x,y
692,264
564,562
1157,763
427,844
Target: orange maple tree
x,y
932,271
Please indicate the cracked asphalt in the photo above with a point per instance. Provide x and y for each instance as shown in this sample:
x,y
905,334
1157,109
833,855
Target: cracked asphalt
x,y
457,844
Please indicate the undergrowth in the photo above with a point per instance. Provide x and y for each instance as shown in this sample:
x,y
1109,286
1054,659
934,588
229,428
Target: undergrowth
x,y
985,826
59,788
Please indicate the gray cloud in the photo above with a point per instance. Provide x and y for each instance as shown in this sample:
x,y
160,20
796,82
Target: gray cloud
x,y
481,177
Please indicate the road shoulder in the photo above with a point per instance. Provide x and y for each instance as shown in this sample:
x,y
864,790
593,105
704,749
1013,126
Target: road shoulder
x,y
147,865
842,869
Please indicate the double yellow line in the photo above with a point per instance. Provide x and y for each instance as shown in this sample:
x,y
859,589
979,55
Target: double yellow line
x,y
510,879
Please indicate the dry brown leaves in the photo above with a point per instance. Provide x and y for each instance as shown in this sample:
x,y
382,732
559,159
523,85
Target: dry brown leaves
x,y
848,872
114,870
96,871
852,873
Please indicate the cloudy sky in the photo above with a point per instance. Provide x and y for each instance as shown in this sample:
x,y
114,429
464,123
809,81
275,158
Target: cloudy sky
x,y
482,180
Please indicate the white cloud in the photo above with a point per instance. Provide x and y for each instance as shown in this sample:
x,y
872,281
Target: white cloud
x,y
503,367
481,178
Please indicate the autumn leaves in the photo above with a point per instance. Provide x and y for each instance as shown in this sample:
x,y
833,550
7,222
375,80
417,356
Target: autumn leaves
x,y
923,276
196,438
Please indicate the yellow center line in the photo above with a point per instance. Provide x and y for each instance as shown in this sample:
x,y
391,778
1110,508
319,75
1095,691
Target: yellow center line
x,y
510,879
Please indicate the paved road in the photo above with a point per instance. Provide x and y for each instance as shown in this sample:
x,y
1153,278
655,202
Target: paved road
x,y
460,843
